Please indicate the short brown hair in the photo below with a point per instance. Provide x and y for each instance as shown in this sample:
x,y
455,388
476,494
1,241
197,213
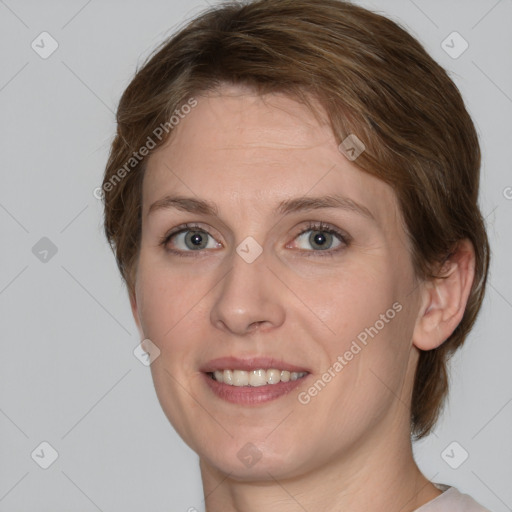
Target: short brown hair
x,y
374,80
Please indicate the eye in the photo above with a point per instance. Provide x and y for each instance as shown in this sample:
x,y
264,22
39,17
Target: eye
x,y
322,238
189,238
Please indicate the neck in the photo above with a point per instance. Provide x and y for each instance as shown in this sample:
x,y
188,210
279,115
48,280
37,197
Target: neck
x,y
381,476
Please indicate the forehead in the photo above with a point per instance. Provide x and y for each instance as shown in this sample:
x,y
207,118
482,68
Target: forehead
x,y
243,150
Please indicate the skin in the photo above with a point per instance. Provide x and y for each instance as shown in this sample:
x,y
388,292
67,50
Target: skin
x,y
349,448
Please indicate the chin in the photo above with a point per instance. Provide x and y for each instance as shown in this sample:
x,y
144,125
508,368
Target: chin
x,y
249,462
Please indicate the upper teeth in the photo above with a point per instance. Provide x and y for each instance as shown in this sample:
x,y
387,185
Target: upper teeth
x,y
255,377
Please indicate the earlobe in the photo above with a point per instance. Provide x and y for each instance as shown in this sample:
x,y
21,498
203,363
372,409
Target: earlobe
x,y
444,299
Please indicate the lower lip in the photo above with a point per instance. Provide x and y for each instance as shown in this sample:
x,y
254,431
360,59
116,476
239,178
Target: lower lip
x,y
252,395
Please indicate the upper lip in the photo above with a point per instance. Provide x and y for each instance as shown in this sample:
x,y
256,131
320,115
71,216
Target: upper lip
x,y
249,364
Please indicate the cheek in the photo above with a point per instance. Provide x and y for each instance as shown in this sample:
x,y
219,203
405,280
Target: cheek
x,y
347,301
165,300
369,330
368,363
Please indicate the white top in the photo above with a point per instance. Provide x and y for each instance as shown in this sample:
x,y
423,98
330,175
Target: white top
x,y
451,501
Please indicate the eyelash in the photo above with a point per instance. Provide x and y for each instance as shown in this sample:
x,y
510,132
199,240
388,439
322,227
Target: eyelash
x,y
312,226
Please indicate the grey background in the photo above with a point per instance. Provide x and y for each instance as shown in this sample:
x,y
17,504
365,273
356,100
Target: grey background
x,y
67,371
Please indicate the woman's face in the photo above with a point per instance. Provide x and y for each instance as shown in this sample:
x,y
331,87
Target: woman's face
x,y
258,284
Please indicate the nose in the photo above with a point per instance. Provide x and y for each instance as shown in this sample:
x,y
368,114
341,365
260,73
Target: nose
x,y
249,297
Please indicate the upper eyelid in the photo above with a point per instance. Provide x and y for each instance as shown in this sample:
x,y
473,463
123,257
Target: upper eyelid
x,y
188,226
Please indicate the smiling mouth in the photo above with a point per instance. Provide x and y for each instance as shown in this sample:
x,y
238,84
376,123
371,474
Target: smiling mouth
x,y
255,378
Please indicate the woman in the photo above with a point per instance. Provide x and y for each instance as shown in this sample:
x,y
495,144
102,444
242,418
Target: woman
x,y
292,200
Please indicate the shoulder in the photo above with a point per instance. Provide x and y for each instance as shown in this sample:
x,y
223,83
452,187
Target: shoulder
x,y
452,500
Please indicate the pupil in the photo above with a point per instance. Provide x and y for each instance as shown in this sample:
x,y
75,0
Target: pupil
x,y
319,239
196,239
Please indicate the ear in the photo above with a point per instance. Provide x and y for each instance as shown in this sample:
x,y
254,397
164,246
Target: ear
x,y
135,313
444,299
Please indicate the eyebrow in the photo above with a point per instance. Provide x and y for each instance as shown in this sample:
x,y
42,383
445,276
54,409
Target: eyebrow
x,y
294,205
